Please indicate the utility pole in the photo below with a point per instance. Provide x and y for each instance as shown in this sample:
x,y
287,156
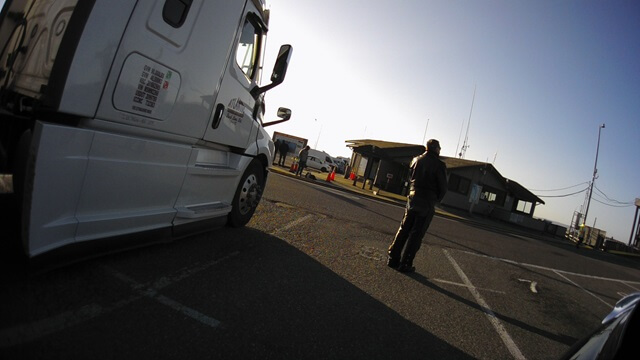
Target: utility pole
x,y
635,223
465,145
595,173
318,138
424,137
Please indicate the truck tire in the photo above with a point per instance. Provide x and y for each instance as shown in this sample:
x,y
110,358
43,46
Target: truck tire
x,y
247,196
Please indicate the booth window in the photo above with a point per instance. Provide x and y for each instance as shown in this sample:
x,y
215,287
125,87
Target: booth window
x,y
492,195
524,206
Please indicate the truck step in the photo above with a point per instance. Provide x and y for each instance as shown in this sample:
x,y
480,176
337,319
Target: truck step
x,y
214,170
204,210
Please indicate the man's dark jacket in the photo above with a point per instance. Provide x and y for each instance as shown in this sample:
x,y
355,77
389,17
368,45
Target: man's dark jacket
x,y
284,148
428,181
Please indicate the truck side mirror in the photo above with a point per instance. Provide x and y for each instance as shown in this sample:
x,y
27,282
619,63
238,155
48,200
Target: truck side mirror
x,y
283,113
279,71
282,63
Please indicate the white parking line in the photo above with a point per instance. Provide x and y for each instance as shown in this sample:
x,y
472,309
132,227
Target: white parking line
x,y
585,290
25,333
633,287
497,325
292,224
28,332
465,285
153,294
627,282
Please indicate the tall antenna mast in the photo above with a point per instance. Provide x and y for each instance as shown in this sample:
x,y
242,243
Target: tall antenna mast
x,y
465,145
459,136
424,137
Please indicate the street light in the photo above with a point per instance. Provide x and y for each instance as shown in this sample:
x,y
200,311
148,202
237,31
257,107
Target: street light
x,y
595,172
319,132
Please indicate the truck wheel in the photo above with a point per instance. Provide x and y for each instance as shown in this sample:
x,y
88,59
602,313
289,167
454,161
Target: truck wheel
x,y
247,195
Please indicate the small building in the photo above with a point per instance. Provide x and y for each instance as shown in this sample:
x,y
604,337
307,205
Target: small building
x,y
473,185
383,164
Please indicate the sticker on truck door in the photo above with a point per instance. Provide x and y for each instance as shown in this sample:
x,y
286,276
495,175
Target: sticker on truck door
x,y
235,111
146,88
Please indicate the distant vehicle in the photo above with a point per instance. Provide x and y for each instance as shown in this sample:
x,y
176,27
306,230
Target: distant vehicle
x,y
318,164
323,158
341,165
616,338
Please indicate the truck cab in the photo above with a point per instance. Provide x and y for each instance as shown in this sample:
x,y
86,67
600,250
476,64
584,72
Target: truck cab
x,y
133,120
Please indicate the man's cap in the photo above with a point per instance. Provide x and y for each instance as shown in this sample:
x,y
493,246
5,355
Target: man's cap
x,y
433,145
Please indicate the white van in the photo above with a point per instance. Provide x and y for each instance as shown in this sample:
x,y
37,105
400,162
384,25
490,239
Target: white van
x,y
314,162
320,160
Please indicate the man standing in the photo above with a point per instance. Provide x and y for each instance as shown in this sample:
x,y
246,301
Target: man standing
x,y
302,159
284,149
277,151
428,186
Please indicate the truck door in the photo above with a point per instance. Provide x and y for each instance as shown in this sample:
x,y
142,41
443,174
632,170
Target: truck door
x,y
170,64
232,122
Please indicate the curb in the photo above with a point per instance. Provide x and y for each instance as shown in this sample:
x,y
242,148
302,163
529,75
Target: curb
x,y
439,212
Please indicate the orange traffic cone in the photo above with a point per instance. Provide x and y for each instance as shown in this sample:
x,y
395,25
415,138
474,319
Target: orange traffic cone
x,y
333,175
328,177
352,176
294,167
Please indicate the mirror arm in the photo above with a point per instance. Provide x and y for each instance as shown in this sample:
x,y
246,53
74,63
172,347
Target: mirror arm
x,y
257,90
274,122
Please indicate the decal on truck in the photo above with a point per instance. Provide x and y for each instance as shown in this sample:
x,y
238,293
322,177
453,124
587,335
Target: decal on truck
x,y
146,88
235,111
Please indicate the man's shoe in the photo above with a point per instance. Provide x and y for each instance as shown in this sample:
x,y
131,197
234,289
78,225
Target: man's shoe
x,y
404,268
392,263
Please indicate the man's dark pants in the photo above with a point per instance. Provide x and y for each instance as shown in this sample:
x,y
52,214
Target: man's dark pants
x,y
412,229
301,166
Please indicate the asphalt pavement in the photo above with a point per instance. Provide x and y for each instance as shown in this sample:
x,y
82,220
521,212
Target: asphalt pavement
x,y
342,184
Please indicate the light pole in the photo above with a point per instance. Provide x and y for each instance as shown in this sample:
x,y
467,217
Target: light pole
x,y
595,172
319,132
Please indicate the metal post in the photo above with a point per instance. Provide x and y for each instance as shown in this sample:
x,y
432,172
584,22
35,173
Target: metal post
x,y
595,172
633,226
318,138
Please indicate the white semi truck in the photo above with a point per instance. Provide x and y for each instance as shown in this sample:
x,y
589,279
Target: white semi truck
x,y
129,121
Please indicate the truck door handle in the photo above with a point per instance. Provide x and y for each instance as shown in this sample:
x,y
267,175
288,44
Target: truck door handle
x,y
217,117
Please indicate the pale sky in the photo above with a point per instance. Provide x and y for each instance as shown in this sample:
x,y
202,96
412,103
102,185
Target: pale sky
x,y
547,74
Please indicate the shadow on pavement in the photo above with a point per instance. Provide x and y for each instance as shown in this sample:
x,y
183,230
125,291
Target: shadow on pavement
x,y
564,339
273,302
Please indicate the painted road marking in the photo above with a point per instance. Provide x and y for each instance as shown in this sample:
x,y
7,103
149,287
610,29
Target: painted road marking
x,y
28,332
292,224
497,325
626,282
345,193
585,290
633,287
341,193
532,285
153,294
465,285
25,333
